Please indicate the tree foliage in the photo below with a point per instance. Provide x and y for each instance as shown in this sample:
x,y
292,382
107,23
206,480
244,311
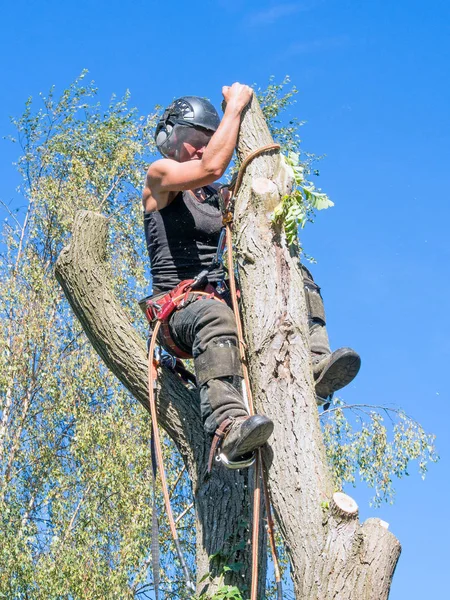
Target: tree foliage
x,y
75,505
75,501
364,447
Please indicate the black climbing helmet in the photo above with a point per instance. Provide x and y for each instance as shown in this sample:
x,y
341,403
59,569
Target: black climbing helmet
x,y
191,112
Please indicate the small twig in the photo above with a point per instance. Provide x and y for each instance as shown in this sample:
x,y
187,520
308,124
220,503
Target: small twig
x,y
185,511
22,235
180,474
75,514
11,214
69,344
110,191
360,407
30,507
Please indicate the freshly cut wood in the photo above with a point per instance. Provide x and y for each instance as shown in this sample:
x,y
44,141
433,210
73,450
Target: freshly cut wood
x,y
344,505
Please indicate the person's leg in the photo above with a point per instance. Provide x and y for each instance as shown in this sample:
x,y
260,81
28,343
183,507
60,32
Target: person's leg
x,y
332,370
207,329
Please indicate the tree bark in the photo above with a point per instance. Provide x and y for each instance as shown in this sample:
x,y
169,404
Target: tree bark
x,y
332,555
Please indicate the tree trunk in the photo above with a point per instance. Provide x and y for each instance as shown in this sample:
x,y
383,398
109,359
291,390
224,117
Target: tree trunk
x,y
332,555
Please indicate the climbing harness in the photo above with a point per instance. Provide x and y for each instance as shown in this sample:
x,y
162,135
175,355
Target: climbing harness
x,y
158,311
161,307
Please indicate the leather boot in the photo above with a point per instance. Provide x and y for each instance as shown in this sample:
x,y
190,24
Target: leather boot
x,y
245,435
334,371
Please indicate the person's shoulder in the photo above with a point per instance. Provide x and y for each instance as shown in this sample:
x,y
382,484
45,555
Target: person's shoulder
x,y
153,199
159,167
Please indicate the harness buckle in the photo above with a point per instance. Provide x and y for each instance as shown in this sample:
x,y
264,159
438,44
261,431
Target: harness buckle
x,y
200,281
227,218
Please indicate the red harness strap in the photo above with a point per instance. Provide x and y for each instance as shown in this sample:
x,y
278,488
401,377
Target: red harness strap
x,y
161,307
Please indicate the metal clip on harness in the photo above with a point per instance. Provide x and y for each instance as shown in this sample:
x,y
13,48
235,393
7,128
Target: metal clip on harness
x,y
244,463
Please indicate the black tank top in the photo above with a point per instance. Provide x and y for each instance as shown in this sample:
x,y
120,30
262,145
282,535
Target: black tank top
x,y
182,239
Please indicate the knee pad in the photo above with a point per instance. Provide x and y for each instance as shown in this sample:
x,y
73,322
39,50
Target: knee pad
x,y
314,301
220,359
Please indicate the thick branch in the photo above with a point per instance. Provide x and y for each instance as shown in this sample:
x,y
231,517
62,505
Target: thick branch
x,y
83,272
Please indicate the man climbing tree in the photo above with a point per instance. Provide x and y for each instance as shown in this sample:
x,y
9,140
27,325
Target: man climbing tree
x,y
183,224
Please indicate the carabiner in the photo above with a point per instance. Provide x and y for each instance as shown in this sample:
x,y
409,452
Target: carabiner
x,y
244,463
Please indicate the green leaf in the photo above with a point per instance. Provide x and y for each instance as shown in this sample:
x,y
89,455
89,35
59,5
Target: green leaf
x,y
236,566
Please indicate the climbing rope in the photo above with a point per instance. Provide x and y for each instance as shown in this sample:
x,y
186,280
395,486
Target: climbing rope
x,y
259,461
259,466
152,378
152,382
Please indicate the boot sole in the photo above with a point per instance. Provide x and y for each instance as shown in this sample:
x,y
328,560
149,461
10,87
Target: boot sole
x,y
253,440
339,373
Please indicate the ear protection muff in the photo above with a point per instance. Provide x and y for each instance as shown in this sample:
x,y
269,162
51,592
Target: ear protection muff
x,y
162,136
189,111
164,131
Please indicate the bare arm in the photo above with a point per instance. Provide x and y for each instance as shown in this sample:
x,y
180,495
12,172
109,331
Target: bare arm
x,y
166,176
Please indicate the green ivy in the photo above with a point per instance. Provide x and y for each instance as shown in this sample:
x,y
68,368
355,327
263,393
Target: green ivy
x,y
226,592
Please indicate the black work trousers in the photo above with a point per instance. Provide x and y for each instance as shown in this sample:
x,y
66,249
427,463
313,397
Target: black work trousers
x,y
207,330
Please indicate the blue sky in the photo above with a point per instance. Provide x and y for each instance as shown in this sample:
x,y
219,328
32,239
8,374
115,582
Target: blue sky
x,y
374,90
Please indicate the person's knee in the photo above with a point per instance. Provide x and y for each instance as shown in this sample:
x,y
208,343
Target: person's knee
x,y
214,319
